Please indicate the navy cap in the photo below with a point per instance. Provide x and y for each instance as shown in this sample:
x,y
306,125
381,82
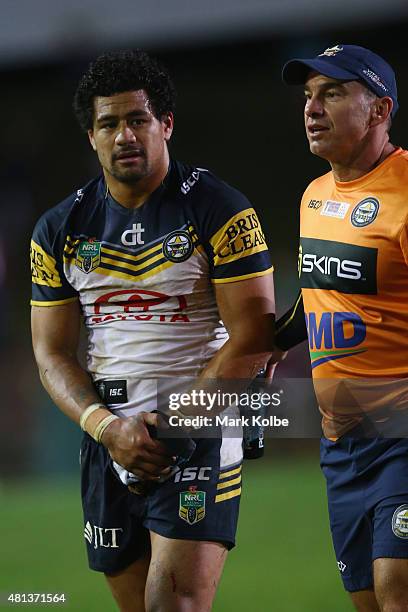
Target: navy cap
x,y
347,63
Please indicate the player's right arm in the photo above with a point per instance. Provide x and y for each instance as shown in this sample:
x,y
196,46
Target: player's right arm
x,y
55,332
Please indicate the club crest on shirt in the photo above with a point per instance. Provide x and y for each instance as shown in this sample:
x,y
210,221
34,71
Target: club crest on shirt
x,y
88,255
365,212
400,522
177,246
192,506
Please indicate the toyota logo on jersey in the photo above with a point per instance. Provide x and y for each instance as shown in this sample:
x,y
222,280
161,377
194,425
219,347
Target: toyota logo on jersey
x,y
139,304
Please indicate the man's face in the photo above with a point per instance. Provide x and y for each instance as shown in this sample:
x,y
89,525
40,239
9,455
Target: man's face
x,y
337,117
129,140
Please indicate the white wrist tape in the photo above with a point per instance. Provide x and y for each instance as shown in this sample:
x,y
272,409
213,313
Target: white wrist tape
x,y
102,425
87,413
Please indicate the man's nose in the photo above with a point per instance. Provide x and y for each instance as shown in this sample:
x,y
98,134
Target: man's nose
x,y
125,135
313,106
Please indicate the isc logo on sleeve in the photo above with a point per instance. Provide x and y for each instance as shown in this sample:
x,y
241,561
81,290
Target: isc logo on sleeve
x,y
239,237
112,391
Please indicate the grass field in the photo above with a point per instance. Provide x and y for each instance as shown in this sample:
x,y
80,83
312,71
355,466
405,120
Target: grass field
x,y
283,562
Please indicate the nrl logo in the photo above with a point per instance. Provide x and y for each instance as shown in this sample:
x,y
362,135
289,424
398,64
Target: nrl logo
x,y
88,255
192,506
331,51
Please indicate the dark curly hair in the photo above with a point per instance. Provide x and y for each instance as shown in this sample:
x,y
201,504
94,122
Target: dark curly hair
x,y
119,71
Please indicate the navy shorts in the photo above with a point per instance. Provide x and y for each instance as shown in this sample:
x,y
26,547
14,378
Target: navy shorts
x,y
200,502
367,489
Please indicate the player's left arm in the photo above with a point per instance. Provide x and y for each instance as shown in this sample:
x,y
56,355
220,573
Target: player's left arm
x,y
247,309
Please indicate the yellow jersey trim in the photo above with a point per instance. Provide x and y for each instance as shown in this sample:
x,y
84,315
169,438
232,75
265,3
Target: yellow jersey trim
x,y
239,237
110,251
234,279
230,473
229,483
43,267
229,495
132,277
54,303
129,266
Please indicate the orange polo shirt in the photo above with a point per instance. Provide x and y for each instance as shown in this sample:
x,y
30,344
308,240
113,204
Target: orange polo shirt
x,y
353,265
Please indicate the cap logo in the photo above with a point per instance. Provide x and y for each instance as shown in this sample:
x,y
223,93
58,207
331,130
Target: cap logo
x,y
331,51
375,78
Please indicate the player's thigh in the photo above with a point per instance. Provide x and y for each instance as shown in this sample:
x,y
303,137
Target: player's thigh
x,y
183,574
391,584
390,551
117,542
365,601
128,586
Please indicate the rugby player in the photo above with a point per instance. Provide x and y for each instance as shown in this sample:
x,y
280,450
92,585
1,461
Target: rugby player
x,y
354,278
168,268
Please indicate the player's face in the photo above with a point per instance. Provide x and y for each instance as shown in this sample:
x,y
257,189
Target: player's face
x,y
129,140
337,118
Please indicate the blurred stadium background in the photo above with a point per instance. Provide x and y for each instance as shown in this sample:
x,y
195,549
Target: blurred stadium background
x,y
235,117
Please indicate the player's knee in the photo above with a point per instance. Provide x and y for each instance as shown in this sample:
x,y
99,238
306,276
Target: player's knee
x,y
174,602
396,604
176,598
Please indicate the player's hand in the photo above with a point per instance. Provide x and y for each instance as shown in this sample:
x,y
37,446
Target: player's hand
x,y
129,443
277,356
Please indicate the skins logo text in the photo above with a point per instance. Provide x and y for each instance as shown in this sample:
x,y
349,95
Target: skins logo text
x,y
338,266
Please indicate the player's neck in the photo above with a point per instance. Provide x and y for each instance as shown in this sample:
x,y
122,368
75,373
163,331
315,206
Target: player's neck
x,y
361,164
133,195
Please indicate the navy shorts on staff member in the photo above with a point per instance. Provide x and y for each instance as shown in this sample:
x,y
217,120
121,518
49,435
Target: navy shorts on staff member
x,y
367,488
201,502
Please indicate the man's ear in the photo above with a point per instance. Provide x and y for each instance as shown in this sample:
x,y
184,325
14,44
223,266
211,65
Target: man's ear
x,y
92,139
167,121
381,111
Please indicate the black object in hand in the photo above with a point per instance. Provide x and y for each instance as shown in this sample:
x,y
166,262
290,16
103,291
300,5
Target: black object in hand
x,y
254,434
181,448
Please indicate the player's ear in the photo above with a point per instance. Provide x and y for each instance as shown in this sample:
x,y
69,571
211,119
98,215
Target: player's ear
x,y
381,110
92,139
167,121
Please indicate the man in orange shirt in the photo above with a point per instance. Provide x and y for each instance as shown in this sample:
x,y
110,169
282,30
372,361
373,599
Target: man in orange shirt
x,y
353,267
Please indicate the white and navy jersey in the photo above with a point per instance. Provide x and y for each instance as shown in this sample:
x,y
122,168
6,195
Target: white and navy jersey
x,y
144,277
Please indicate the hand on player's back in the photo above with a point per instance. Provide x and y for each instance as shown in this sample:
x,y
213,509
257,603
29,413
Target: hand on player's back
x,y
129,443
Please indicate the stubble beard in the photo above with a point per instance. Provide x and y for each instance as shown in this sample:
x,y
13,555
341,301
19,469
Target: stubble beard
x,y
130,175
